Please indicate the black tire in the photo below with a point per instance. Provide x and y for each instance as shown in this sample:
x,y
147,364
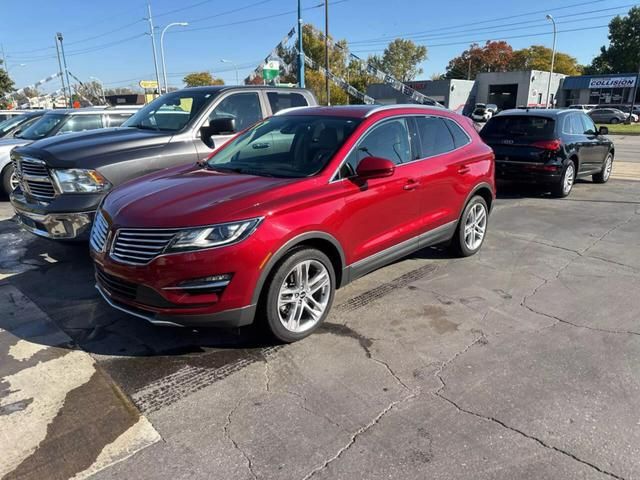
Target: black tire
x,y
614,121
605,174
558,189
282,271
458,243
6,179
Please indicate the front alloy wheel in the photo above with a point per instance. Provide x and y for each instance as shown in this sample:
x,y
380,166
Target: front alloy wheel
x,y
300,294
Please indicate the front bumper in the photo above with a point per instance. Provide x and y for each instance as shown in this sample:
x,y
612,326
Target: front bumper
x,y
528,172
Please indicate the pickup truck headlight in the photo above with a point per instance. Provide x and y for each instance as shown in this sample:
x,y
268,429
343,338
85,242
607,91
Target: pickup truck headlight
x,y
77,180
213,236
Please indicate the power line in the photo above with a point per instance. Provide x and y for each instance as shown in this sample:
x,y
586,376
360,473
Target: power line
x,y
229,12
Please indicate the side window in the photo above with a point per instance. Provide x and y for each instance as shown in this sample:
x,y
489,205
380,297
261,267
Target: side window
x,y
575,126
281,100
117,119
589,128
460,138
434,136
80,123
389,139
244,107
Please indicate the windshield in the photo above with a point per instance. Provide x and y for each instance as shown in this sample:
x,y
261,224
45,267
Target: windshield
x,y
286,146
11,122
42,128
516,125
170,112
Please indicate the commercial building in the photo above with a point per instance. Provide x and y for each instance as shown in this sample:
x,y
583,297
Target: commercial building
x,y
615,89
453,94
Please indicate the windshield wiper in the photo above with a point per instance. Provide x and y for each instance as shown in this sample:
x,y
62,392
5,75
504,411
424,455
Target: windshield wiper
x,y
241,170
146,127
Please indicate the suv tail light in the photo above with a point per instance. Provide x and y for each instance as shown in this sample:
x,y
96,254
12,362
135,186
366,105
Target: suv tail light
x,y
552,145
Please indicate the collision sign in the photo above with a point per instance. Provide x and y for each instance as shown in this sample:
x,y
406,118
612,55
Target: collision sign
x,y
612,82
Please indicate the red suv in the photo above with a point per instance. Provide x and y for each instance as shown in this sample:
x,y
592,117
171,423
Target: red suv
x,y
289,210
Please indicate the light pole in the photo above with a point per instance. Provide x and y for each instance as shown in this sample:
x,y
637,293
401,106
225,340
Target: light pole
x,y
553,57
164,66
326,50
104,98
234,66
300,47
66,70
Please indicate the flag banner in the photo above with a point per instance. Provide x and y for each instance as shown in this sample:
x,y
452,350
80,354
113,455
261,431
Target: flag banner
x,y
350,89
383,76
35,85
273,53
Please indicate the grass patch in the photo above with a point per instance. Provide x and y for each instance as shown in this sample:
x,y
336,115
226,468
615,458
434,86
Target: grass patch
x,y
622,129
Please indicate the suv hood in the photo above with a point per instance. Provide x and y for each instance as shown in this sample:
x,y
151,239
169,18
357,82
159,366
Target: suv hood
x,y
83,149
191,196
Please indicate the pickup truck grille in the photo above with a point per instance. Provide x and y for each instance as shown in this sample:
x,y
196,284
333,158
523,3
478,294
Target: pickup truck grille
x,y
34,178
140,246
99,233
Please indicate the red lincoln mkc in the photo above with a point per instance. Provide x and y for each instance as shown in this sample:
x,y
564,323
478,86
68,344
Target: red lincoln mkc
x,y
289,210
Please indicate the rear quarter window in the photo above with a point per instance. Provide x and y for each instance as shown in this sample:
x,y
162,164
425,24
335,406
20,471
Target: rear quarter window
x,y
281,100
519,125
460,137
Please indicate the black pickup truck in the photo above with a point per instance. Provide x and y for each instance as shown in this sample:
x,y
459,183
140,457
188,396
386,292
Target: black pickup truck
x,y
62,180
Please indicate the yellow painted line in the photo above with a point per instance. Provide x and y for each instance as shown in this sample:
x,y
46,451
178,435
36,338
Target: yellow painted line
x,y
626,171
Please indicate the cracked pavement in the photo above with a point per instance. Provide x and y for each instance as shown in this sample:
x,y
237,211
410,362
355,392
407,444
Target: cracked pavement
x,y
521,362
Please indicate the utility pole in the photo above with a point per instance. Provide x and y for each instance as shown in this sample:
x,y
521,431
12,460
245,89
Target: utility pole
x,y
153,46
300,47
553,57
66,70
326,50
64,88
633,100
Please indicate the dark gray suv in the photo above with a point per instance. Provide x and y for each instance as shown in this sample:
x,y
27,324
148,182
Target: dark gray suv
x,y
62,180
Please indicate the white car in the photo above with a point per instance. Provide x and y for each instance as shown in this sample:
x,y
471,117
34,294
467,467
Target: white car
x,y
481,113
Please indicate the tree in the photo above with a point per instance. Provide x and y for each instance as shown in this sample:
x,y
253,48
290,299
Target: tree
x,y
6,84
623,52
494,56
201,79
538,57
401,59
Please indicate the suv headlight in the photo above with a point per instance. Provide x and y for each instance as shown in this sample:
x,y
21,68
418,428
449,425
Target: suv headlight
x,y
213,236
78,180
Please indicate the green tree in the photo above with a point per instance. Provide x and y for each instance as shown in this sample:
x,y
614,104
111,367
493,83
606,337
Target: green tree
x,y
402,59
6,84
538,57
201,79
623,52
492,57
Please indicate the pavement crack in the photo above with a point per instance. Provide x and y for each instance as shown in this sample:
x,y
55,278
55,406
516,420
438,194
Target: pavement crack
x,y
227,435
358,433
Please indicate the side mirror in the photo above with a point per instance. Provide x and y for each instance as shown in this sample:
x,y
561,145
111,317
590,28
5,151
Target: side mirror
x,y
217,126
375,167
17,133
603,131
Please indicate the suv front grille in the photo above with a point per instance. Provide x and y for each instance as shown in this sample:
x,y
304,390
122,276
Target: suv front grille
x,y
34,178
116,286
99,233
138,246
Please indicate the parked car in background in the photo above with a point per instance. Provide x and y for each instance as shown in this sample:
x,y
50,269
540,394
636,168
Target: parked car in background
x,y
53,123
549,147
492,107
610,115
7,114
584,108
293,208
76,172
13,125
481,113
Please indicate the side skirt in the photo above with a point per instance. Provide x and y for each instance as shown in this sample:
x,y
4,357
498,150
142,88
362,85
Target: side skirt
x,y
360,268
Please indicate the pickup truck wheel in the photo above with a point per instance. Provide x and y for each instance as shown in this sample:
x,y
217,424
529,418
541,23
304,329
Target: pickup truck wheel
x,y
603,176
472,228
563,188
300,294
9,179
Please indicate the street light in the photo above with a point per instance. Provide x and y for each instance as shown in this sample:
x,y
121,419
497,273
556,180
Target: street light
x,y
164,67
234,66
553,57
104,98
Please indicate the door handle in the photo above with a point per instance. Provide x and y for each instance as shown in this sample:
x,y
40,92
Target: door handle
x,y
462,169
411,184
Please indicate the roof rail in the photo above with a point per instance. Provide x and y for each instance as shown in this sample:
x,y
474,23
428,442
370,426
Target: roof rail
x,y
383,108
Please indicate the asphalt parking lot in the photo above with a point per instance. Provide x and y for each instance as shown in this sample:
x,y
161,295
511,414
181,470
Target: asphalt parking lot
x,y
520,362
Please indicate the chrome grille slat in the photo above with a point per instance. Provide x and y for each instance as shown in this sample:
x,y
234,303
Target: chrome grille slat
x,y
99,233
34,177
140,246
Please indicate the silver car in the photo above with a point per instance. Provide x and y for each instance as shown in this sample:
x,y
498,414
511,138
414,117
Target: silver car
x,y
610,115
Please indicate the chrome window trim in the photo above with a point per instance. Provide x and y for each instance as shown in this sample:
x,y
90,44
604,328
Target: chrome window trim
x,y
333,178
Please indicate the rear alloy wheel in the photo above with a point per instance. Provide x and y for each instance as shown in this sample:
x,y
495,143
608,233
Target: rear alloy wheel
x,y
9,179
614,121
300,294
472,228
603,176
563,188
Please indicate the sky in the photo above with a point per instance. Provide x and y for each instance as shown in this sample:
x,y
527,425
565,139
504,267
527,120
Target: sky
x,y
109,40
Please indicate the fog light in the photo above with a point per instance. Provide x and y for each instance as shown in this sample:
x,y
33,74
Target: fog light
x,y
210,284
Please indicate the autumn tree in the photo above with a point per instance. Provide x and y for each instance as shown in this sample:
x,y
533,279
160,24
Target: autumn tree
x,y
623,52
538,57
494,56
201,79
401,59
6,84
